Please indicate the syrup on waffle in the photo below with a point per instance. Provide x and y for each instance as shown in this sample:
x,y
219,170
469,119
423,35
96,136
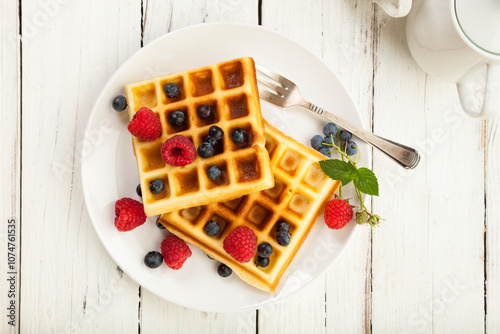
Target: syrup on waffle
x,y
298,197
230,89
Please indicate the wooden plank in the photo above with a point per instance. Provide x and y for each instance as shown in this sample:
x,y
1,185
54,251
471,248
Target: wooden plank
x,y
70,284
162,17
10,171
158,315
427,256
401,276
302,312
348,50
492,147
455,235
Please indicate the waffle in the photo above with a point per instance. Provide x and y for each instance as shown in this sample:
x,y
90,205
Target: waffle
x,y
230,89
299,196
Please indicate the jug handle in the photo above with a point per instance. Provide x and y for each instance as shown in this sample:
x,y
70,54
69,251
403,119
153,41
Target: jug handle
x,y
491,101
401,10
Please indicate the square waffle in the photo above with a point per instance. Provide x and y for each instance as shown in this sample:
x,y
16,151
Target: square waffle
x,y
230,89
298,197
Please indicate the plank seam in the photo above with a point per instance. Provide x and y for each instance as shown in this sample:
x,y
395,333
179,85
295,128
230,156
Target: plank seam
x,y
139,312
369,292
143,22
143,26
485,243
20,150
259,10
257,321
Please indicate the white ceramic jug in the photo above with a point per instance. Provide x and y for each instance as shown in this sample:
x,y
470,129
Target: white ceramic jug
x,y
459,40
402,9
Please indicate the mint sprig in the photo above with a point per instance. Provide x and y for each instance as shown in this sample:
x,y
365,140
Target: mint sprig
x,y
364,179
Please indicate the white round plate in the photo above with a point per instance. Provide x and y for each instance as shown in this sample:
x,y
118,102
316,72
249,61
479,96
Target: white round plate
x,y
109,170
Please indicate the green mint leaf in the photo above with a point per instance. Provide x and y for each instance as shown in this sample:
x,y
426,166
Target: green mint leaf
x,y
338,170
366,181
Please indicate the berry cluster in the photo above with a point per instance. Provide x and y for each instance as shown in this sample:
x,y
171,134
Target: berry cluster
x,y
207,148
282,233
130,214
174,252
333,140
264,250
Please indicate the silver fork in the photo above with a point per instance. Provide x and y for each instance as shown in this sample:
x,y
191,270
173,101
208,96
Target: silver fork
x,y
288,95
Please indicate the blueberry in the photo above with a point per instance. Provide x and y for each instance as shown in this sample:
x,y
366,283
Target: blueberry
x,y
282,226
171,89
214,173
345,135
211,140
223,270
158,224
153,259
316,142
239,135
177,118
330,128
212,228
262,261
138,190
156,186
283,238
205,150
328,141
265,249
204,111
216,132
119,103
352,148
324,150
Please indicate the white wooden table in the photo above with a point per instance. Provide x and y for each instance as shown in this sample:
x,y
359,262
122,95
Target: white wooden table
x,y
433,265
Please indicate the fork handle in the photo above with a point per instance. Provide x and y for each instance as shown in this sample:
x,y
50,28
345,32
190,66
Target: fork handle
x,y
404,155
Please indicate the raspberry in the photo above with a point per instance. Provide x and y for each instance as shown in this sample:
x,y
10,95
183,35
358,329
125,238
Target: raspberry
x,y
145,125
178,151
129,214
175,252
337,213
241,244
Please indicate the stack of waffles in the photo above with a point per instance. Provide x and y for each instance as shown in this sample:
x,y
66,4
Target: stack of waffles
x,y
269,179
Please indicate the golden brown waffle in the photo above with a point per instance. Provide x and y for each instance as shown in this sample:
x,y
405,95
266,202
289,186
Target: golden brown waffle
x,y
299,196
230,89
